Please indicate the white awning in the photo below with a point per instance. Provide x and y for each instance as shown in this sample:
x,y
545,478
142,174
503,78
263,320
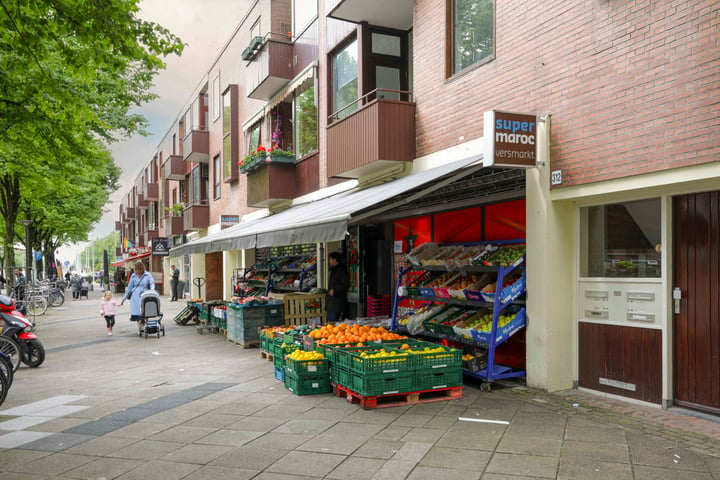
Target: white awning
x,y
320,221
304,76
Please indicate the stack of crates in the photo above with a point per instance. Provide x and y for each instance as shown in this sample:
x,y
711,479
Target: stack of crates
x,y
280,349
243,323
397,372
379,305
306,377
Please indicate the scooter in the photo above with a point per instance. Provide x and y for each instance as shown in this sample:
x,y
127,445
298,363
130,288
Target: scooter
x,y
18,328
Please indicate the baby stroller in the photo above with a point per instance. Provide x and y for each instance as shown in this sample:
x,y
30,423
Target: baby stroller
x,y
151,321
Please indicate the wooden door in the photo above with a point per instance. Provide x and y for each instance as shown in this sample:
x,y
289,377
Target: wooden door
x,y
696,259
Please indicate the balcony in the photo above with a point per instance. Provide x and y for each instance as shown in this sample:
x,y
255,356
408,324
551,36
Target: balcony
x,y
196,217
118,226
140,202
174,226
152,192
397,14
148,236
378,135
271,69
173,168
196,146
129,215
270,184
140,241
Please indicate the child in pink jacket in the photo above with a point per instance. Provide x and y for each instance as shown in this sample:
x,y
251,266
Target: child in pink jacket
x,y
107,310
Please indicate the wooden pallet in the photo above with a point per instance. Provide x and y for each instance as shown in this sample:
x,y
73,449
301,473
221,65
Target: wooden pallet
x,y
398,399
223,331
267,355
250,344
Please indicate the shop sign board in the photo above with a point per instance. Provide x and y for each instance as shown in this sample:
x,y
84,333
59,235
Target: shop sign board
x,y
160,246
510,139
228,221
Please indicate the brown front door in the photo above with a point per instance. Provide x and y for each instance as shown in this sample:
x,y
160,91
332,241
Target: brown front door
x,y
696,256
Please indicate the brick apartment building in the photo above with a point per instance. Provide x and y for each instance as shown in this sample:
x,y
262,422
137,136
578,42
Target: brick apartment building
x,y
382,106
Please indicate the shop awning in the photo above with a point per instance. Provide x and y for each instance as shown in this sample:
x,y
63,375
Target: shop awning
x,y
324,220
120,263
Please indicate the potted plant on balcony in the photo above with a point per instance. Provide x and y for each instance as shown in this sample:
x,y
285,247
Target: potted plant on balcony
x,y
253,160
176,210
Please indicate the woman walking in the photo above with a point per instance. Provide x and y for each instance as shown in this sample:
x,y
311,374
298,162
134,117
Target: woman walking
x,y
140,281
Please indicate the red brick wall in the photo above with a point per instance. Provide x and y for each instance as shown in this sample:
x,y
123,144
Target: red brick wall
x,y
632,86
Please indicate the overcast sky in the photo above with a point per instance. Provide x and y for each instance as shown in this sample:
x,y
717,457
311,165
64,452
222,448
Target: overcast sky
x,y
204,26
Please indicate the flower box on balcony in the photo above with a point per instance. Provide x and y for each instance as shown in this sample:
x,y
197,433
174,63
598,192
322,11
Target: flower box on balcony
x,y
259,159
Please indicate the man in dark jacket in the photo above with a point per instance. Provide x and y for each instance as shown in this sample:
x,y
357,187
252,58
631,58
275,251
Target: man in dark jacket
x,y
174,283
338,284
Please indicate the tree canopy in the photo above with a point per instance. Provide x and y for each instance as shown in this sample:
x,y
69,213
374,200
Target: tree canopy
x,y
72,76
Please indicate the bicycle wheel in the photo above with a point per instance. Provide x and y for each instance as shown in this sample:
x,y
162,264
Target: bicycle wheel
x,y
56,298
10,348
4,387
37,306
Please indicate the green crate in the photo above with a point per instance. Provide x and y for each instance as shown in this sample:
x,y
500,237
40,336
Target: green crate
x,y
329,349
433,379
382,384
203,314
351,359
340,376
281,349
307,385
279,361
265,343
451,357
307,367
412,342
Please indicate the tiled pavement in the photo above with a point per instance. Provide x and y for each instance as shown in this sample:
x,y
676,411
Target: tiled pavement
x,y
189,406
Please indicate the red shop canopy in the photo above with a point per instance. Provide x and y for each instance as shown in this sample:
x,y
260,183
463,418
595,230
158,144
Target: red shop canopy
x,y
122,262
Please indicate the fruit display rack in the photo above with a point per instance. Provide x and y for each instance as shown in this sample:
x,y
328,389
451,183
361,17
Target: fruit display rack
x,y
469,294
292,273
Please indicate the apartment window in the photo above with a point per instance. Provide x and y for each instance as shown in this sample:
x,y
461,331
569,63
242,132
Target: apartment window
x,y
304,12
472,32
306,131
216,177
621,240
227,144
188,121
199,190
345,80
216,99
231,137
253,137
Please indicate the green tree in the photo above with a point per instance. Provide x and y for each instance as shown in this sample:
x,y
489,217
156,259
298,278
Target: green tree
x,y
71,73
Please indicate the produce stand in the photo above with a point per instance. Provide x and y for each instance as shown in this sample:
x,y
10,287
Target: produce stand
x,y
455,287
244,321
302,308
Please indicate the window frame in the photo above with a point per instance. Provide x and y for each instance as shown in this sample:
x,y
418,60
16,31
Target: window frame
x,y
230,138
450,29
341,47
217,182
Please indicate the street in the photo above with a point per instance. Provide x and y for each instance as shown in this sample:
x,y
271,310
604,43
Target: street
x,y
192,406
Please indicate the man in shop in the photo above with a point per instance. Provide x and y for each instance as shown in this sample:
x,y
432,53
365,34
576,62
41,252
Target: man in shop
x,y
174,283
338,284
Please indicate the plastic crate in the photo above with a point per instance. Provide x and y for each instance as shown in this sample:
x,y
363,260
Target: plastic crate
x,y
451,357
280,373
265,343
382,384
351,360
307,385
307,367
503,333
340,376
432,379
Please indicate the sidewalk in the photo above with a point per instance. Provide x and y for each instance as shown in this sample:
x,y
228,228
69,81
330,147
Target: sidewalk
x,y
190,406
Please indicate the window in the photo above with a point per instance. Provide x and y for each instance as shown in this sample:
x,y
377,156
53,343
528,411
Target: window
x,y
188,121
472,32
216,99
253,137
345,80
227,138
216,177
199,190
306,137
304,12
621,240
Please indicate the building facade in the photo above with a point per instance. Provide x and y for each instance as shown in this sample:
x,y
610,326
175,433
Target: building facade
x,y
620,208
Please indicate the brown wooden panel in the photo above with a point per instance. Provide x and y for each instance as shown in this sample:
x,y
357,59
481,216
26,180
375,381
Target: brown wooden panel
x,y
621,354
305,48
271,183
213,276
308,174
696,331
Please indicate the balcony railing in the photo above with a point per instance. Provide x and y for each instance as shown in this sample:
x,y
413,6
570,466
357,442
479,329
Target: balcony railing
x,y
140,202
196,146
149,234
174,226
271,68
383,13
270,184
174,168
152,192
371,134
196,217
129,214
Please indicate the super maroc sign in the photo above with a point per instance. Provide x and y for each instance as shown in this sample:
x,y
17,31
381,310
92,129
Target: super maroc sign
x,y
510,139
160,246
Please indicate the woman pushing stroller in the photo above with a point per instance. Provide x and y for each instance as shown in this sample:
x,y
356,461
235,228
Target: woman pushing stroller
x,y
140,281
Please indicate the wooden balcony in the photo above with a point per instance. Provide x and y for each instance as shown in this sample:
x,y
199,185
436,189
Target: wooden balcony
x,y
152,192
196,146
271,69
378,135
118,226
129,215
149,234
395,14
174,226
139,241
140,202
307,174
174,168
273,183
196,217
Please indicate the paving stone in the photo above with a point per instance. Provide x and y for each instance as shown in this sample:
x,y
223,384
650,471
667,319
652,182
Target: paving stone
x,y
17,456
519,444
471,460
160,469
284,441
228,437
138,430
378,417
427,435
433,473
394,470
215,473
146,450
590,451
182,433
54,465
356,469
304,426
392,433
659,473
307,463
475,436
249,457
412,451
412,420
528,465
57,442
212,420
589,470
595,434
256,424
198,454
98,427
101,446
660,454
379,448
103,468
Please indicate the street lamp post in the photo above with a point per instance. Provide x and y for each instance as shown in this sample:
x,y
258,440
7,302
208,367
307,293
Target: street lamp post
x,y
28,250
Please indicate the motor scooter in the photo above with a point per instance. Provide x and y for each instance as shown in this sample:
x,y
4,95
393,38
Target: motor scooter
x,y
18,328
